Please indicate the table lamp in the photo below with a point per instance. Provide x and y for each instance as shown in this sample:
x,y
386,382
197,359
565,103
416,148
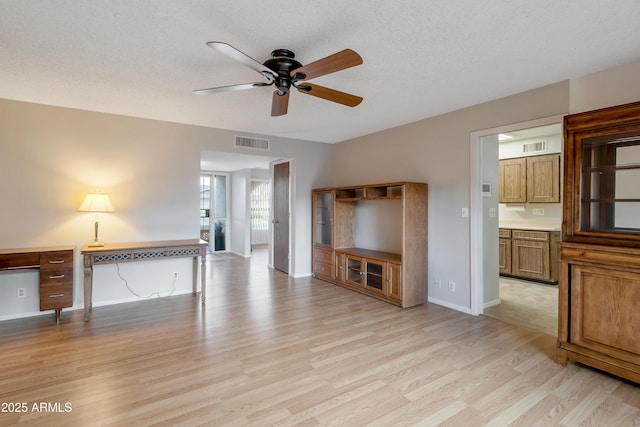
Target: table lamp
x,y
96,202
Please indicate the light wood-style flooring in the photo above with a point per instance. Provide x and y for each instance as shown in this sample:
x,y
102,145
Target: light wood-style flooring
x,y
267,350
526,303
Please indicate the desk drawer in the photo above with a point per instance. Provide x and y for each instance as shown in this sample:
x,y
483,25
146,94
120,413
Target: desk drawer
x,y
16,261
56,259
56,276
53,297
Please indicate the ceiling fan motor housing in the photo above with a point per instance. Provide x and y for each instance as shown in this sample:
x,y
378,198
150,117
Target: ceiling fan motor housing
x,y
282,62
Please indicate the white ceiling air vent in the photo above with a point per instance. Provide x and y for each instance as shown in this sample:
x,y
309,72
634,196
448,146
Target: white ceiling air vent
x,y
535,147
254,143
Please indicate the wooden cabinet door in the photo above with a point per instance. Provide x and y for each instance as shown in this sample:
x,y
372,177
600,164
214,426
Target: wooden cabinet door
x,y
394,281
340,267
604,311
504,256
375,276
513,180
543,179
354,271
323,218
530,258
323,263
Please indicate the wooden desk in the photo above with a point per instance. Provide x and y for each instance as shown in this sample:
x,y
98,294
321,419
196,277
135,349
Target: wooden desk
x,y
55,265
144,251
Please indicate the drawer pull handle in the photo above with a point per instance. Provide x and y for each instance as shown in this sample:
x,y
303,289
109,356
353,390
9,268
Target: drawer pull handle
x,y
56,261
59,276
56,295
583,254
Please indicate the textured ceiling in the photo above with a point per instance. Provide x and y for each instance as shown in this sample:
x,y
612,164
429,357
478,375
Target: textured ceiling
x,y
422,58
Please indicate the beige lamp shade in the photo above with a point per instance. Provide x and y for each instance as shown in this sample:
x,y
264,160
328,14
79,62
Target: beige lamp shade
x,y
96,202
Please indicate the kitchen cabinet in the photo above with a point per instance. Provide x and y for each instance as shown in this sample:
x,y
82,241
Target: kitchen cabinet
x,y
534,179
529,254
599,258
397,278
504,251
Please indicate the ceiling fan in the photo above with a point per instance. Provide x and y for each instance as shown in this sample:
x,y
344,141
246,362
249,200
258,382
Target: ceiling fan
x,y
284,72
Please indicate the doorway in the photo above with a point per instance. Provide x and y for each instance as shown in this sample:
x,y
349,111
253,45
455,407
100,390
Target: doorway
x,y
214,204
485,282
259,212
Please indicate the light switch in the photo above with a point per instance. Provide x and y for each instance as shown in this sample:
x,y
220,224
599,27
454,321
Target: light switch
x,y
465,212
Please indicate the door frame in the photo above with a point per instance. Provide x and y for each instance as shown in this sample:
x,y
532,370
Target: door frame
x,y
292,215
477,217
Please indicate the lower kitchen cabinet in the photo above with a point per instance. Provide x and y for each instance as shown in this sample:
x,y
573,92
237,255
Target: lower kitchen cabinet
x,y
504,251
529,254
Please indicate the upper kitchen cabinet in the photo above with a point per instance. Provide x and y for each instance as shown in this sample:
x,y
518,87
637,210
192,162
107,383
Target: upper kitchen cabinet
x,y
543,179
602,172
534,179
513,180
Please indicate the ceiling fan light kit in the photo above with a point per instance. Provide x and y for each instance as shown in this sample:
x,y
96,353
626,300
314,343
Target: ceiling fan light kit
x,y
284,72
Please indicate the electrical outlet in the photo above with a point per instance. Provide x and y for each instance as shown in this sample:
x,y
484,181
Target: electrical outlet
x,y
175,274
538,212
452,286
22,292
437,283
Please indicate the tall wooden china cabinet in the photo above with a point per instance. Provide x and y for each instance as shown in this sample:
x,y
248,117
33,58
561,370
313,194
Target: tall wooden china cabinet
x,y
599,257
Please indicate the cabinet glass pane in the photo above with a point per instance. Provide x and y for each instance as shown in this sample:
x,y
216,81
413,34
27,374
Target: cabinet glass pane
x,y
323,218
353,270
609,187
374,275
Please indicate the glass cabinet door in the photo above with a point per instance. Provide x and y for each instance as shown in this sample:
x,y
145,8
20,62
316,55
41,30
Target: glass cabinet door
x,y
354,270
602,176
374,276
610,183
322,225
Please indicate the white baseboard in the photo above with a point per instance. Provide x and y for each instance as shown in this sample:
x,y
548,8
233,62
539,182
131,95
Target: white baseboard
x,y
447,304
492,303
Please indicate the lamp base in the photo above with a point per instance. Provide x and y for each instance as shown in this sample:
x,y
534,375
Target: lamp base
x,y
96,245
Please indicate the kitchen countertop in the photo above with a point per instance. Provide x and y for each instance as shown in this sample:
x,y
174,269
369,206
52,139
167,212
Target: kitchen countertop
x,y
537,225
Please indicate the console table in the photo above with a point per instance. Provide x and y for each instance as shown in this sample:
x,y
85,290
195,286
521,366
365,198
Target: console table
x,y
143,251
55,265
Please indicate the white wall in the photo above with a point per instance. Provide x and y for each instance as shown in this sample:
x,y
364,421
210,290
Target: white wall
x,y
614,86
52,156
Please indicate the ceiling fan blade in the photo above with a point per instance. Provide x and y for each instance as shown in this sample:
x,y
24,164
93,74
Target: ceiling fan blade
x,y
338,61
280,104
235,54
330,94
229,88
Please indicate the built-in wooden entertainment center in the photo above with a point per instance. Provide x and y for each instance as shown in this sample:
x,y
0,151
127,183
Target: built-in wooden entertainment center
x,y
397,275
